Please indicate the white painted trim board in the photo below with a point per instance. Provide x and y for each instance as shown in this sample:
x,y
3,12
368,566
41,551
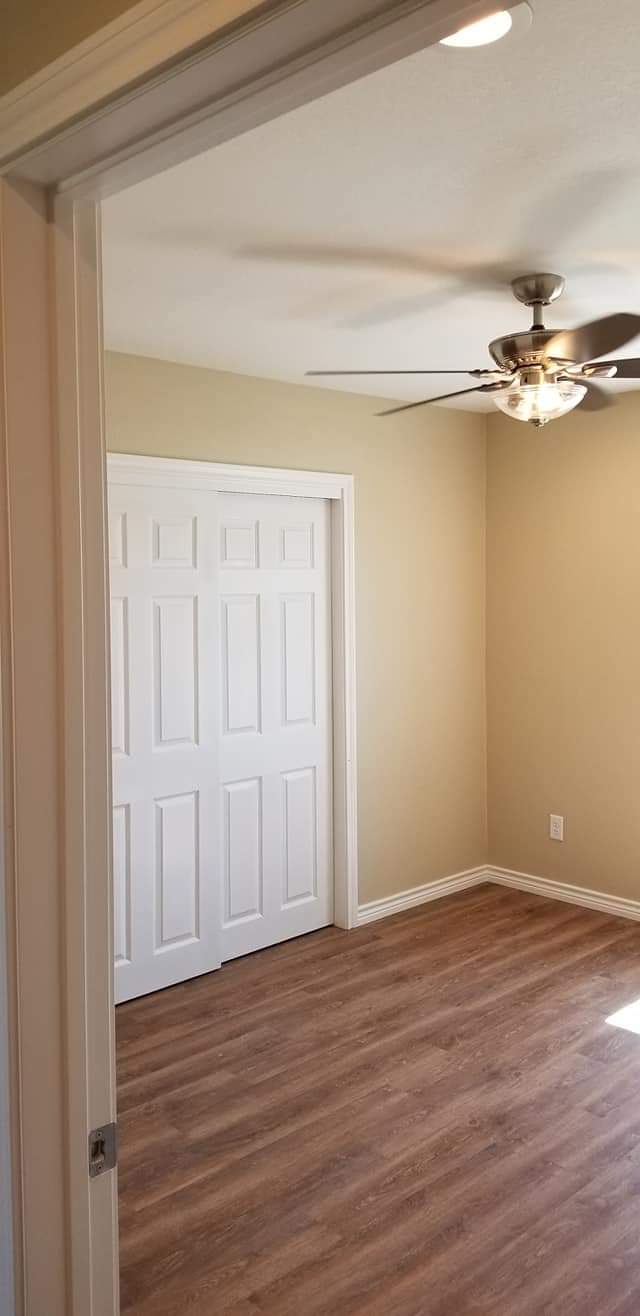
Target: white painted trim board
x,y
181,473
601,901
619,906
420,895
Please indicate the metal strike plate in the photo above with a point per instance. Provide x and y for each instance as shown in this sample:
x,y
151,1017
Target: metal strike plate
x,y
103,1152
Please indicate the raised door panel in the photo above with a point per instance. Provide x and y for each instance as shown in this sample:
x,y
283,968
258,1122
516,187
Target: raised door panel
x,y
118,538
122,882
297,545
243,889
297,657
120,666
175,671
175,541
239,545
177,870
241,639
299,833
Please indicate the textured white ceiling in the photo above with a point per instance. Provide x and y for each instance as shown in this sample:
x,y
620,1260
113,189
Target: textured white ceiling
x,y
469,166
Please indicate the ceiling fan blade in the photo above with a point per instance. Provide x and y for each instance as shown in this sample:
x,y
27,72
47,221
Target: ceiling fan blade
x,y
552,226
317,373
307,253
408,406
626,367
594,339
596,398
402,308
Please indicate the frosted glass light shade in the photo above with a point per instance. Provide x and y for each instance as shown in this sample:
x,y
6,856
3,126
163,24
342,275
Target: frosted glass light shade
x,y
539,403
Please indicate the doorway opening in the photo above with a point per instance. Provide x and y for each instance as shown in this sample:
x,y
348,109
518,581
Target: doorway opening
x,y
123,107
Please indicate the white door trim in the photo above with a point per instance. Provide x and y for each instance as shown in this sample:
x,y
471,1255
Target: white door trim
x,y
167,472
83,602
178,473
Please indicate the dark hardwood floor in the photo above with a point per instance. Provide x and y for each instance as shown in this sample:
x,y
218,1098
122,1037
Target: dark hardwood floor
x,y
426,1117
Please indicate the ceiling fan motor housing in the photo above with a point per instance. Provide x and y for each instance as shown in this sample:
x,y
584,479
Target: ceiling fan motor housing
x,y
521,349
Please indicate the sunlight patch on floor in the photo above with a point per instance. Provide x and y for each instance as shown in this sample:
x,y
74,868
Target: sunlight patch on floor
x,y
628,1017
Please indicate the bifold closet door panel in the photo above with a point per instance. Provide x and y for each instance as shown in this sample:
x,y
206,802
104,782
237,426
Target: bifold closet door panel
x,y
275,725
164,547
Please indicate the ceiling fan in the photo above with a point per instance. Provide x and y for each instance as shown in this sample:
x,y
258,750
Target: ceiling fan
x,y
540,374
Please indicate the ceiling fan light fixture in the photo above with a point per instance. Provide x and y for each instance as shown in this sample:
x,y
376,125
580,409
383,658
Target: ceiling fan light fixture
x,y
540,403
481,33
540,374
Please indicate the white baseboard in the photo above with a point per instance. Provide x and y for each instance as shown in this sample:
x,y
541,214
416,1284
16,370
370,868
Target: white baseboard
x,y
537,886
573,895
419,895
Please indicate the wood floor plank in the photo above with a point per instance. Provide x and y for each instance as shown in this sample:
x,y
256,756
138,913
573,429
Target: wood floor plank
x,y
429,1116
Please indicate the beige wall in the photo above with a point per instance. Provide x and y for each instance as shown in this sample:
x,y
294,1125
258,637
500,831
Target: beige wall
x,y
563,627
420,499
562,614
35,32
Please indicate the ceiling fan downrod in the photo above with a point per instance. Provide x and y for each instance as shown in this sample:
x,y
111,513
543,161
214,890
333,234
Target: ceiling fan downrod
x,y
537,291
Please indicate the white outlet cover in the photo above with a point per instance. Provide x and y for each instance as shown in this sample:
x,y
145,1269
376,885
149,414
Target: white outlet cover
x,y
556,827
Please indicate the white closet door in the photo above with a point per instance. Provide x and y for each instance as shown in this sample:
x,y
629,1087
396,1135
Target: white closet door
x,y
275,741
165,732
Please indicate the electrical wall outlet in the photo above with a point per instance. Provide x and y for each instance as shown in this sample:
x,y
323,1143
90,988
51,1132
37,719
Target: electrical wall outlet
x,y
556,827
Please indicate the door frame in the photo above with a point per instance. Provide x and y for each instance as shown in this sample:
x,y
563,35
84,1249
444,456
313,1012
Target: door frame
x,y
168,79
338,490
